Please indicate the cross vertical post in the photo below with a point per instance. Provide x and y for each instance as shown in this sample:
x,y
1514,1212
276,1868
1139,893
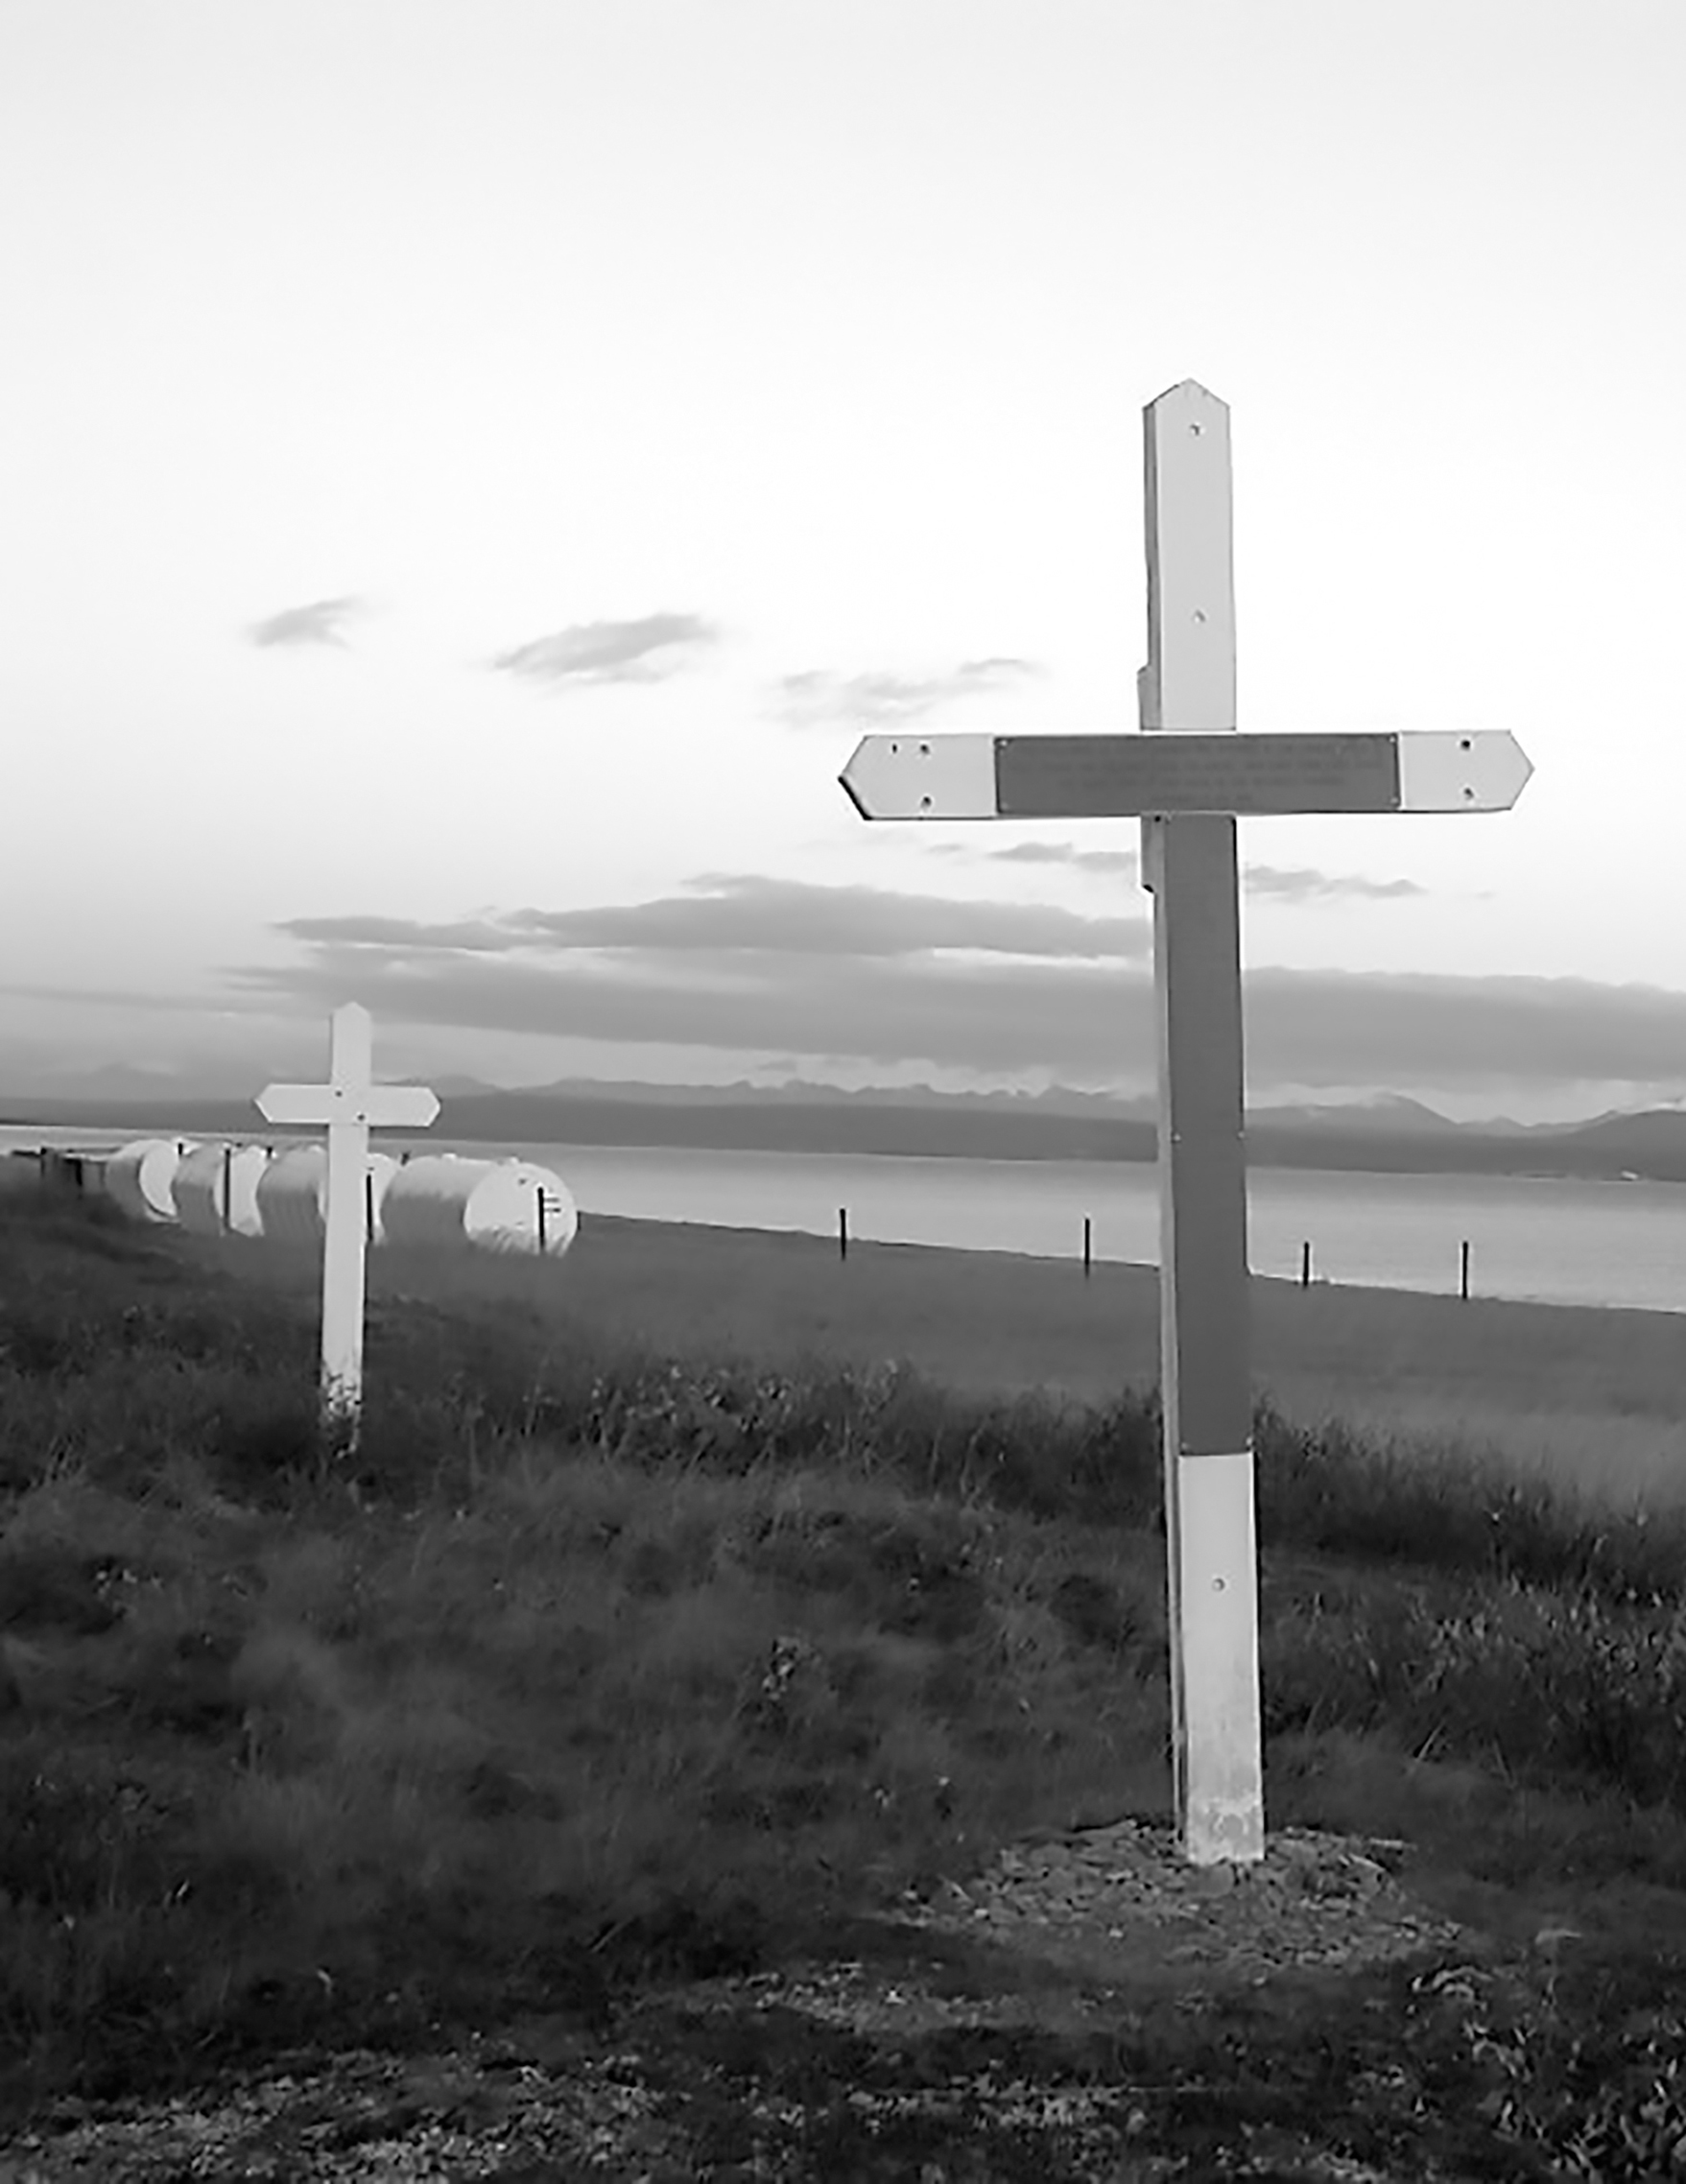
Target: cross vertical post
x,y
350,1061
1189,864
348,1103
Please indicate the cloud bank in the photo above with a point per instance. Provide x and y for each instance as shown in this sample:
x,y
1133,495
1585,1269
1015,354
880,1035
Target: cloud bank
x,y
746,964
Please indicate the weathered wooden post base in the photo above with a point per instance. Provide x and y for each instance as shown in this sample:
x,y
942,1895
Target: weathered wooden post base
x,y
1213,1565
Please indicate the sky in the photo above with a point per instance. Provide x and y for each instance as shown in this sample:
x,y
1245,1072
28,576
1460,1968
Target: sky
x,y
474,470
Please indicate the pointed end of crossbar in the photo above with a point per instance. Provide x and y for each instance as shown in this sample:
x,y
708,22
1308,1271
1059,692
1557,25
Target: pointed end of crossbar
x,y
1481,770
922,777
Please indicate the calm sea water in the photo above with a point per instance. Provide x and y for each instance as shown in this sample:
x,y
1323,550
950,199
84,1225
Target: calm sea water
x,y
1564,1242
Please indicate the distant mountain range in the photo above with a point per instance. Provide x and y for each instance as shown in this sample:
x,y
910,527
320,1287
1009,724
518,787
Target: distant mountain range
x,y
1388,1133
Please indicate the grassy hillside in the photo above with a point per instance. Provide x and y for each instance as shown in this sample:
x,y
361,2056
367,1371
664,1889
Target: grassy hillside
x,y
1593,1401
689,1599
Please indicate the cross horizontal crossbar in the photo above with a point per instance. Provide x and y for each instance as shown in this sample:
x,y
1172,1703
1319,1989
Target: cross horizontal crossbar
x,y
388,1105
981,776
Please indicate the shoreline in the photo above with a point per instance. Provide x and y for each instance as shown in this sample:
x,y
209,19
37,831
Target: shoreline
x,y
1145,1270
97,1141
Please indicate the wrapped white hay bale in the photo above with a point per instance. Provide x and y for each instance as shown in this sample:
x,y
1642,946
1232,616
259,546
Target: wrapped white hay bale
x,y
531,1209
292,1194
494,1205
215,1189
140,1173
424,1201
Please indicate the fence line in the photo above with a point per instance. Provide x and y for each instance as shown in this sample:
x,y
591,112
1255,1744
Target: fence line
x,y
1305,1253
81,1171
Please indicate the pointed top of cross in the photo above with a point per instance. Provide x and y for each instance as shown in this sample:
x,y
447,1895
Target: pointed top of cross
x,y
1188,390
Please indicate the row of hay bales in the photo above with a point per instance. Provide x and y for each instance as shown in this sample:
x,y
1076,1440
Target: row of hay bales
x,y
433,1199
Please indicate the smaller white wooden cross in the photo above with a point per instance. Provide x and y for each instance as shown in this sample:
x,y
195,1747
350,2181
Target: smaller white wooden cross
x,y
349,1105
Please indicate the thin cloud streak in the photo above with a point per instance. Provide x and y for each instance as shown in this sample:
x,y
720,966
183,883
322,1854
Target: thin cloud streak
x,y
646,650
817,698
318,623
124,997
1106,862
1299,884
403,936
1303,884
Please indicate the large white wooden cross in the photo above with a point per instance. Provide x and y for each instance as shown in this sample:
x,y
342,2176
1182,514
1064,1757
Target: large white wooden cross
x,y
348,1103
1187,787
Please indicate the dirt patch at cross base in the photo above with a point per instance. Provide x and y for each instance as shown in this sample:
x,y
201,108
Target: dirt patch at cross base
x,y
1090,2007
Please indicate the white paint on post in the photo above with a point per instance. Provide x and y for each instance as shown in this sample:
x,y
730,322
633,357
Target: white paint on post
x,y
349,1105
